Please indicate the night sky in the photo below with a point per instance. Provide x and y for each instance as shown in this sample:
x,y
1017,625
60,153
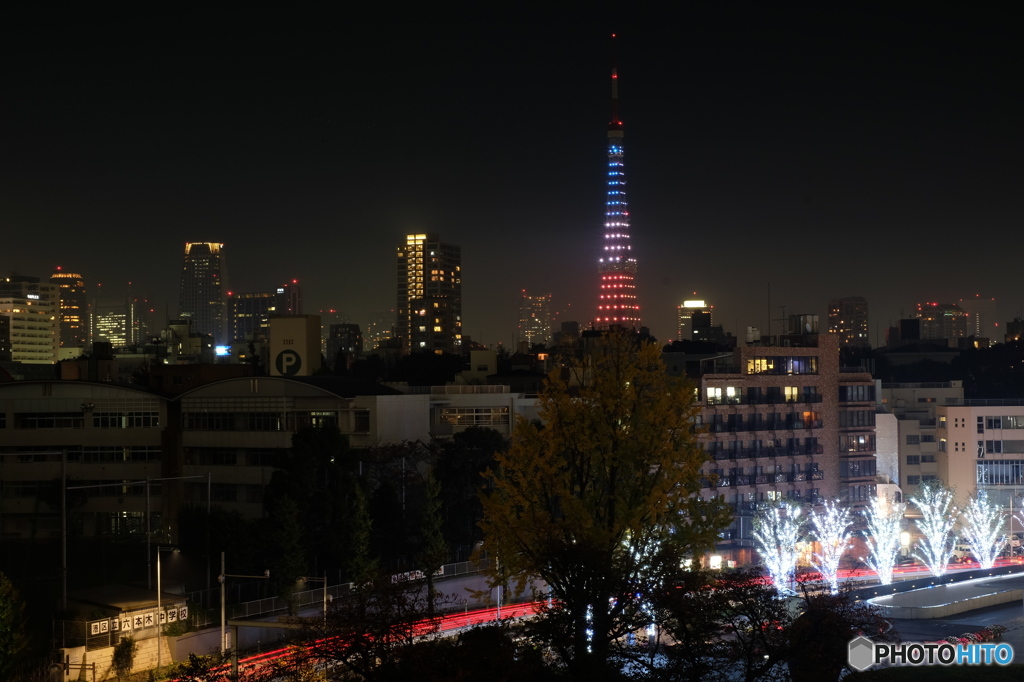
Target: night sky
x,y
854,150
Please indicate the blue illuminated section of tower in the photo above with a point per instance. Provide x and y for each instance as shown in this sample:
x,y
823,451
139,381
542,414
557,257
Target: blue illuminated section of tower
x,y
617,303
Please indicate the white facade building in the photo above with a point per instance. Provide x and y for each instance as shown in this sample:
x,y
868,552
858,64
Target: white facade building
x,y
914,405
982,444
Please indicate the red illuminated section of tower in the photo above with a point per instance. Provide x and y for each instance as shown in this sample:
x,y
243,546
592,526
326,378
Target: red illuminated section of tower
x,y
617,303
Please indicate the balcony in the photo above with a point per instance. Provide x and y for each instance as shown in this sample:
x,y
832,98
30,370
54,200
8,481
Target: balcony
x,y
803,399
758,453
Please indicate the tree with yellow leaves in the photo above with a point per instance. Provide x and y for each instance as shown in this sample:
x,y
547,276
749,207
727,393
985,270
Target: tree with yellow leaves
x,y
599,500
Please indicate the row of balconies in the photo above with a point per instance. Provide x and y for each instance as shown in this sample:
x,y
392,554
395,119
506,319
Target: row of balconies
x,y
748,509
753,453
764,400
763,479
744,427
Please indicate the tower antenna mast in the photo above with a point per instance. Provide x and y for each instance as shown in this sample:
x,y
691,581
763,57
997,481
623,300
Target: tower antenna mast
x,y
616,122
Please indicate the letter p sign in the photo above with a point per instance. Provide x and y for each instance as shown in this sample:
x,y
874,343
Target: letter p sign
x,y
288,363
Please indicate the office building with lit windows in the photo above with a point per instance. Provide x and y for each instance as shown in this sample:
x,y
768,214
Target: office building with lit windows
x,y
74,312
32,319
110,324
685,314
122,322
428,310
204,290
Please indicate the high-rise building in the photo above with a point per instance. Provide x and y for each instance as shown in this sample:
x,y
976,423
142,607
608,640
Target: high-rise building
x,y
74,309
984,322
686,311
943,321
380,329
344,345
535,318
289,299
249,313
204,290
848,320
122,321
617,303
142,321
429,306
32,311
111,324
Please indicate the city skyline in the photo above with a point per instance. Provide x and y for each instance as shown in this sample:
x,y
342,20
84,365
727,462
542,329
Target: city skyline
x,y
816,154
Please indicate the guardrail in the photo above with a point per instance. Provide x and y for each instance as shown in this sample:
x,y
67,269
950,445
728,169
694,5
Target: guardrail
x,y
207,616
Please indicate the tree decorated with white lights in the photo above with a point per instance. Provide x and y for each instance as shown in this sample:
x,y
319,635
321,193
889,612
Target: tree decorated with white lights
x,y
983,528
885,522
777,530
832,531
938,516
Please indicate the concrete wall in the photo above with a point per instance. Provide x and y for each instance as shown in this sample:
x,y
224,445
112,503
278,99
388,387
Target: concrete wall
x,y
949,609
145,659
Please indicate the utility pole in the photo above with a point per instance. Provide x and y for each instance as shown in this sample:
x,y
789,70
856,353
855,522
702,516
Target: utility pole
x,y
224,575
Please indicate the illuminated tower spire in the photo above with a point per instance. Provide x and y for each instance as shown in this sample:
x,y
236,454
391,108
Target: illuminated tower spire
x,y
617,303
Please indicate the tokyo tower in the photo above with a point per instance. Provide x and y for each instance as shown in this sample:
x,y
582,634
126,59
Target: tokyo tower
x,y
617,304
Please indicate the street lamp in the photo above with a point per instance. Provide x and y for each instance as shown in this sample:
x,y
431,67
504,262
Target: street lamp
x,y
305,579
223,620
159,607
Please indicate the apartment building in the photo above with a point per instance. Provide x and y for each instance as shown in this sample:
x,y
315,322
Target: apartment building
x,y
787,422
